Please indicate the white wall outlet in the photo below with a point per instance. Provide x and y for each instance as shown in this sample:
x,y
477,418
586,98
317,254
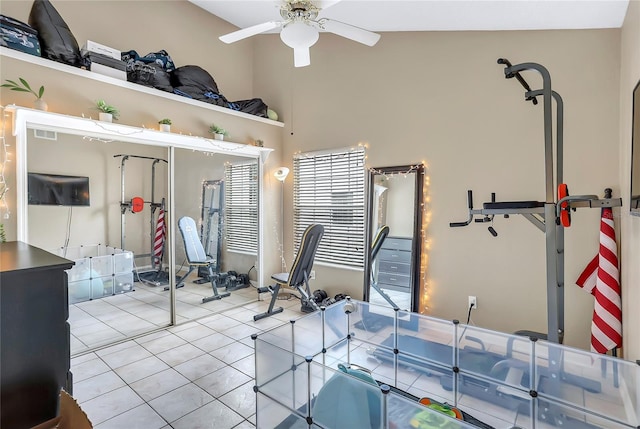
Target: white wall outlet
x,y
312,275
473,301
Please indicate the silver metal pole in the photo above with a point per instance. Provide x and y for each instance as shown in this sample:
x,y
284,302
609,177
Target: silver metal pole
x,y
171,233
122,209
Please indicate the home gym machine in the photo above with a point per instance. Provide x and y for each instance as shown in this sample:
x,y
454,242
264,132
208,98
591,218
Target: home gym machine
x,y
552,215
136,205
211,225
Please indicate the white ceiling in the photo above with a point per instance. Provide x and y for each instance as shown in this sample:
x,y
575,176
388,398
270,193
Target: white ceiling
x,y
439,15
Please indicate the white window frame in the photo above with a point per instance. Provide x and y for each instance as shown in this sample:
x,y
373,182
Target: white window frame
x,y
241,207
329,189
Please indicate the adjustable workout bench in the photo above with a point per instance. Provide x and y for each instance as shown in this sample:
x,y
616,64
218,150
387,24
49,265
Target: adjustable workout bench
x,y
298,277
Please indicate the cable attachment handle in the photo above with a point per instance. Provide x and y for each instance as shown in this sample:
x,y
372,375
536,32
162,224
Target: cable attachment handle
x,y
470,204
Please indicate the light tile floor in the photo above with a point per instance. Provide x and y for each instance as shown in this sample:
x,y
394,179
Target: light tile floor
x,y
115,318
198,374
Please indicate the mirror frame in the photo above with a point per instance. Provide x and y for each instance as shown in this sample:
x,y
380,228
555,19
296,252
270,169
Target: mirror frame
x,y
416,246
25,119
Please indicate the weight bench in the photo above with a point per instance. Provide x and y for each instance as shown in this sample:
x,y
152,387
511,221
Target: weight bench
x,y
196,256
298,277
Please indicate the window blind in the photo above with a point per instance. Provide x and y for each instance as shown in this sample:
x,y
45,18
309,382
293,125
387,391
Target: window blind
x,y
328,188
241,207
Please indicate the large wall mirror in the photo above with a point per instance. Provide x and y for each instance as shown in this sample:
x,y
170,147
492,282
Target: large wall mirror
x,y
99,195
394,223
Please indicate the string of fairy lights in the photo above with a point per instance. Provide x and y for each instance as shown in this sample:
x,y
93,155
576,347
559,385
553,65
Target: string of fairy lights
x,y
216,144
425,220
5,212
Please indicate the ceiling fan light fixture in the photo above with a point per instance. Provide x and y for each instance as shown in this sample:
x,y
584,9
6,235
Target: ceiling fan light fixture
x,y
299,35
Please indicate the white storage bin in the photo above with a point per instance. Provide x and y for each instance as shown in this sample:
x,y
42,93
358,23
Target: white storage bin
x,y
99,271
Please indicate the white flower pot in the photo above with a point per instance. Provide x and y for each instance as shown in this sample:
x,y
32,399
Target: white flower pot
x,y
166,128
40,104
105,117
218,136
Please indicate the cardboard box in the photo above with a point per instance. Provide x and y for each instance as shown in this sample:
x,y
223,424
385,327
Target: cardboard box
x,y
101,49
71,416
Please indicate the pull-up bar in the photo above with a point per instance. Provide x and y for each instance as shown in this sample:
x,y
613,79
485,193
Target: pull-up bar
x,y
509,74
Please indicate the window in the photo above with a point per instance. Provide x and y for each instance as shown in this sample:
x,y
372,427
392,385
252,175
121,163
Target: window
x,y
241,207
328,188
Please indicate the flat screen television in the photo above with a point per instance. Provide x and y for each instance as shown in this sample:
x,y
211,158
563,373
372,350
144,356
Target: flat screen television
x,y
634,202
57,190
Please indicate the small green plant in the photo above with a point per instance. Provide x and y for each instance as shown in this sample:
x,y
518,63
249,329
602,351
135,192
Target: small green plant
x,y
3,236
23,86
215,129
107,108
165,121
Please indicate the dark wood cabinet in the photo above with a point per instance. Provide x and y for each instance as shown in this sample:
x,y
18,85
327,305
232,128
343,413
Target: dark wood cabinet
x,y
34,334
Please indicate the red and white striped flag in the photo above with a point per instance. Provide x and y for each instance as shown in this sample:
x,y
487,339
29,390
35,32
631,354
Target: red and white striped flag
x,y
158,241
601,279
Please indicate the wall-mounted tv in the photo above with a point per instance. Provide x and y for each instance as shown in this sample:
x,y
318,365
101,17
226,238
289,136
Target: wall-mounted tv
x,y
634,202
57,190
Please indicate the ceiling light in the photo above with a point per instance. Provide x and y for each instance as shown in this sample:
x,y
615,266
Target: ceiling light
x,y
299,35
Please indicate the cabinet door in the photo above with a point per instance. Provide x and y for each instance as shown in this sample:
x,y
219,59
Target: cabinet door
x,y
34,349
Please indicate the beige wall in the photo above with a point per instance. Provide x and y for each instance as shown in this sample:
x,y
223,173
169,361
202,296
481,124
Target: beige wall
x,y
441,98
190,37
630,231
434,97
100,222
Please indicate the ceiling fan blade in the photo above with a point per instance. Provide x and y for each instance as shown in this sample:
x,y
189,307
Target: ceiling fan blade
x,y
301,57
354,33
249,31
323,4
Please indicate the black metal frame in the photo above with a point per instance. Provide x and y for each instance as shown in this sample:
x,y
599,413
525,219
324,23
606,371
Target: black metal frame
x,y
416,247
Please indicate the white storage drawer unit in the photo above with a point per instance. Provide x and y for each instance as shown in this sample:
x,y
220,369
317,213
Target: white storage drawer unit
x,y
394,264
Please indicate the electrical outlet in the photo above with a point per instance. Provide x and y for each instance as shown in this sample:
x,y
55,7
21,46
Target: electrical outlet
x,y
312,275
473,301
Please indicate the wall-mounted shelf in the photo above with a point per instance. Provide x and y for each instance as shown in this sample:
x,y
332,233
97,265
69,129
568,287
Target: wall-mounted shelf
x,y
42,62
108,131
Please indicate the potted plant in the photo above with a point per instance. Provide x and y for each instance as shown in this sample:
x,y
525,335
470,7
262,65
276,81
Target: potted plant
x,y
218,132
165,125
107,111
24,86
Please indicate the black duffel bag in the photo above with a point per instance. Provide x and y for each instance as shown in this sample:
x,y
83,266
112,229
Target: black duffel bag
x,y
150,70
195,82
254,106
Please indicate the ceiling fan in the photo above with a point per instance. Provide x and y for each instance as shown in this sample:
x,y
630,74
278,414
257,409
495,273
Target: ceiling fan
x,y
300,28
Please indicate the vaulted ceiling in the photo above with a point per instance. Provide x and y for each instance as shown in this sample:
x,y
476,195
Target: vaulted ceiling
x,y
438,15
